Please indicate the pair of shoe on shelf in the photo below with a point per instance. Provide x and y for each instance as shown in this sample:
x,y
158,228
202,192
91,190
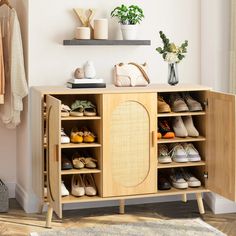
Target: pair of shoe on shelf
x,y
82,136
182,127
179,153
83,185
79,161
179,178
80,185
79,108
64,138
64,190
178,103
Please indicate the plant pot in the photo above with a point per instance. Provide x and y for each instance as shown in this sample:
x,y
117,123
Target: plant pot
x,y
129,32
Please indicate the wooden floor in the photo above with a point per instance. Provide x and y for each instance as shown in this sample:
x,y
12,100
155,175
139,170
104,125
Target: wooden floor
x,y
17,222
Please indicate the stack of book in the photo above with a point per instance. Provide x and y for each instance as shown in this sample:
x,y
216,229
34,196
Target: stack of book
x,y
86,83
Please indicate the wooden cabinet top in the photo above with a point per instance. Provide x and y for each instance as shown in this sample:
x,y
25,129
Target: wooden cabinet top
x,y
113,89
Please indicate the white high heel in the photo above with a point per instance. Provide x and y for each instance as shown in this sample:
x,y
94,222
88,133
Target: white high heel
x,y
90,186
77,186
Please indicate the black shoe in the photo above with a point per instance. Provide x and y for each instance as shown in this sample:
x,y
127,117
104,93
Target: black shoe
x,y
163,183
66,163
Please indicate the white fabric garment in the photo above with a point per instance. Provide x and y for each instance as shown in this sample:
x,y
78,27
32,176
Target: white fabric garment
x,y
16,85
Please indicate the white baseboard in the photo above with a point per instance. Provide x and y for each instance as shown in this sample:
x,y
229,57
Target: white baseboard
x,y
29,202
218,204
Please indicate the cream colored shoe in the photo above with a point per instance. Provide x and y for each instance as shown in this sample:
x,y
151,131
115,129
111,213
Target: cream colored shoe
x,y
179,127
90,186
77,186
188,123
177,103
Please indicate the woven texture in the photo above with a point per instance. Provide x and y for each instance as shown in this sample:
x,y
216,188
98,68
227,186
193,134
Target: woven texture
x,y
4,203
130,144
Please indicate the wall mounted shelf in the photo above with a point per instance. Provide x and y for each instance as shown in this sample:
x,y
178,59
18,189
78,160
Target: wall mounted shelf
x,y
92,42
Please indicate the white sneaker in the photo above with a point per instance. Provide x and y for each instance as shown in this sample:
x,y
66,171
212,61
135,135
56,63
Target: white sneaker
x,y
192,152
179,128
177,180
64,191
191,180
77,186
163,155
178,154
64,137
188,123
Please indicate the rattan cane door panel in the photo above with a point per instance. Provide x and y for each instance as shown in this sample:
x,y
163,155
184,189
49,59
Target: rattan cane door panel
x,y
129,160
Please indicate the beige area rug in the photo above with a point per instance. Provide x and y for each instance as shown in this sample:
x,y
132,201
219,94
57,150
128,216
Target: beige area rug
x,y
180,227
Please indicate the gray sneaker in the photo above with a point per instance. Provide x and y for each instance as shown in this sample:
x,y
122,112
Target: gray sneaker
x,y
178,154
163,154
192,152
177,180
192,181
193,105
177,103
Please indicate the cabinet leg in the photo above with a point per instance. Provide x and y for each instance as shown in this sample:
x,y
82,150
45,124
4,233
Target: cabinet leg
x,y
122,206
200,203
49,216
184,198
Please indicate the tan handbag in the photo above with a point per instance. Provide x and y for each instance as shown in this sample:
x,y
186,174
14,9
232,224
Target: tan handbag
x,y
130,75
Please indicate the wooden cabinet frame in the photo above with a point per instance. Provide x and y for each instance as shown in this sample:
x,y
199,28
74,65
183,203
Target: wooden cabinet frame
x,y
216,144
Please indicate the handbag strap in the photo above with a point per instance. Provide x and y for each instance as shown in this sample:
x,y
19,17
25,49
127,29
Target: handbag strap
x,y
142,71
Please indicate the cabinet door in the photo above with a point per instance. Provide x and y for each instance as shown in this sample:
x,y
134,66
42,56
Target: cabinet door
x,y
221,162
53,127
129,144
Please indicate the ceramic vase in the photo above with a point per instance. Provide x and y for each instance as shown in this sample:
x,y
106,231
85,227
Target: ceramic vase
x,y
89,70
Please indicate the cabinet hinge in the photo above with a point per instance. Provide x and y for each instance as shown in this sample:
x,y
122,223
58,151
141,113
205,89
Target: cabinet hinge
x,y
205,103
205,175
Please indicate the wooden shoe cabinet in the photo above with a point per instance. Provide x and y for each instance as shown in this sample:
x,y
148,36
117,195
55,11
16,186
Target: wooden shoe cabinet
x,y
126,146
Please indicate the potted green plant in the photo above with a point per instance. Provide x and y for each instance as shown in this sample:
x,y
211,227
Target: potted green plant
x,y
129,17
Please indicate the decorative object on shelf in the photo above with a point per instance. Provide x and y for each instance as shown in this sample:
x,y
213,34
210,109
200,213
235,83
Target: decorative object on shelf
x,y
131,75
101,29
86,17
89,70
79,73
173,55
129,17
82,33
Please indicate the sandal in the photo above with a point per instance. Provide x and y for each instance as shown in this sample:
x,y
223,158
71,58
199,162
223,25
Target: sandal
x,y
77,108
78,161
83,108
88,137
76,136
65,110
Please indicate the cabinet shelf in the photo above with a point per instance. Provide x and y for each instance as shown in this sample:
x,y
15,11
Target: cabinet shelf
x,y
81,118
81,171
174,114
174,191
91,42
175,165
182,140
80,145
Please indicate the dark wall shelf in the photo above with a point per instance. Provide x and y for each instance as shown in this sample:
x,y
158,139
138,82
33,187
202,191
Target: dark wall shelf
x,y
92,42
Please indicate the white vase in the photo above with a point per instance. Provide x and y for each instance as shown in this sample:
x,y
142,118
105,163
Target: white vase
x,y
129,32
89,70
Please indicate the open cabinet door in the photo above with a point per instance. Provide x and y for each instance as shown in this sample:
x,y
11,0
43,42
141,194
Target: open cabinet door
x,y
53,127
221,144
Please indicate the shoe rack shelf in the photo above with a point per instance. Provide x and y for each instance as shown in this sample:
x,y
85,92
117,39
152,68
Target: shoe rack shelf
x,y
127,145
182,140
176,165
174,114
81,171
80,145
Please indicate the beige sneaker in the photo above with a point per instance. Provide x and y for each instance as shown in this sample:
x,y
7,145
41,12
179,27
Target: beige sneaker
x,y
193,105
163,107
177,103
188,123
179,127
163,154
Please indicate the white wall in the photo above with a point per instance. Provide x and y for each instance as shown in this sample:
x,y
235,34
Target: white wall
x,y
51,63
